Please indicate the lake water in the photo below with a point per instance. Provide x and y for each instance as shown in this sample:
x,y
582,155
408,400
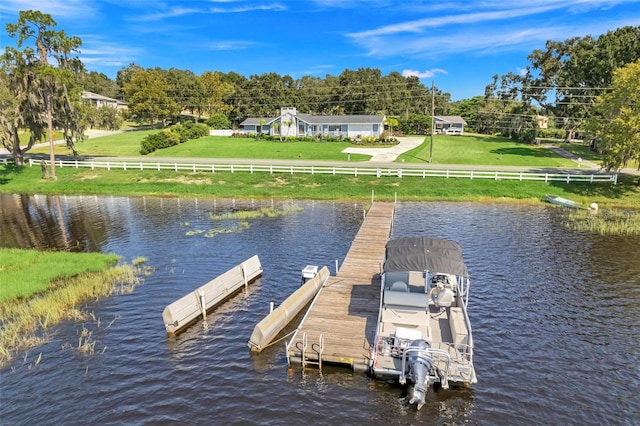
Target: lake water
x,y
555,315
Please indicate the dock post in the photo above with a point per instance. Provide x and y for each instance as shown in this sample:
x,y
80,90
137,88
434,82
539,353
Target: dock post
x,y
244,275
203,305
270,307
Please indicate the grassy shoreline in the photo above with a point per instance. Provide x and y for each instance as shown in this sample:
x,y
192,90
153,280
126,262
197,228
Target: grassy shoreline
x,y
467,149
70,181
28,312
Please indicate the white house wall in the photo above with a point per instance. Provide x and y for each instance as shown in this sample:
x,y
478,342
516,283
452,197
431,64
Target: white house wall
x,y
362,130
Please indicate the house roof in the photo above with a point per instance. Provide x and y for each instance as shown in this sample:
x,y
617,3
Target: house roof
x,y
255,121
91,95
450,119
97,97
341,119
320,119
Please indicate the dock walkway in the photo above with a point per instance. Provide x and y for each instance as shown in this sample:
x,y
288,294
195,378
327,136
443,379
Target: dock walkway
x,y
345,311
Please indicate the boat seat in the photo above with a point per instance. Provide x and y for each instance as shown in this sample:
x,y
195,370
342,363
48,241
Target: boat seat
x,y
399,286
442,297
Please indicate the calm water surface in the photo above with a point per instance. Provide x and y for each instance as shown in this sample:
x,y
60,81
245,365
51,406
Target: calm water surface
x,y
555,313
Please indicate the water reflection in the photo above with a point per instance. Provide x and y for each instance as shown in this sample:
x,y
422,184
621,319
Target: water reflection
x,y
555,316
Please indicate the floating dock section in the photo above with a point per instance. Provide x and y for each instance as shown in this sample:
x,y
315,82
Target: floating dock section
x,y
267,329
188,309
340,325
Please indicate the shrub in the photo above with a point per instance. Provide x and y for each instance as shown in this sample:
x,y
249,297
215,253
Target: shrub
x,y
176,134
243,135
219,121
153,142
551,133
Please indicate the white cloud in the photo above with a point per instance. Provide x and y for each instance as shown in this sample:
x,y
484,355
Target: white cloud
x,y
98,52
491,27
230,45
276,7
423,74
55,8
168,13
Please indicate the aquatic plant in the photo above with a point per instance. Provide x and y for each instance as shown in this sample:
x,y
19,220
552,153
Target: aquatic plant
x,y
256,214
237,227
139,261
605,222
86,343
25,321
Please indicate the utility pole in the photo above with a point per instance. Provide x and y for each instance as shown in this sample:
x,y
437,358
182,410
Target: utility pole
x,y
433,99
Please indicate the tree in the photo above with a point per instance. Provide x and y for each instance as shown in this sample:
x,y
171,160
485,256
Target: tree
x,y
566,77
616,119
213,92
185,90
40,89
415,124
19,109
147,94
101,84
391,123
124,76
104,117
218,121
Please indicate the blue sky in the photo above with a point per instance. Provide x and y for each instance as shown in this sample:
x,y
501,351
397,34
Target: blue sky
x,y
459,45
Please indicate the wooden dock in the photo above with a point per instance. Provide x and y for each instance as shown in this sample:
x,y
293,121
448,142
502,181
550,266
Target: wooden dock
x,y
345,311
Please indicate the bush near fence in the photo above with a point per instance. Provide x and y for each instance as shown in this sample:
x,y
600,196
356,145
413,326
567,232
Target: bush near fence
x,y
174,135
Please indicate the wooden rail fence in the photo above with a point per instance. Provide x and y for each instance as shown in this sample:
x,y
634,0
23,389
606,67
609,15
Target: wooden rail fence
x,y
359,170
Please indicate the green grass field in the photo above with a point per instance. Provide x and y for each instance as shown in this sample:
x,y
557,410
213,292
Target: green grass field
x,y
26,272
226,147
127,144
484,150
467,149
28,180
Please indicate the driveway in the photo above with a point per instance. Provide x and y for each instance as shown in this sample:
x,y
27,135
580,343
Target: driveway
x,y
388,154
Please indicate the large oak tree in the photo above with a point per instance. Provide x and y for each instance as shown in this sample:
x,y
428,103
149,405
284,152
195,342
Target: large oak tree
x,y
40,77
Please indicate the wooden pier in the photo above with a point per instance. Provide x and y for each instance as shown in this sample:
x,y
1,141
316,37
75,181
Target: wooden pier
x,y
342,318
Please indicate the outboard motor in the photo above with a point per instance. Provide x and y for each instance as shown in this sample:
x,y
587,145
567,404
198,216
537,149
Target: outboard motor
x,y
420,365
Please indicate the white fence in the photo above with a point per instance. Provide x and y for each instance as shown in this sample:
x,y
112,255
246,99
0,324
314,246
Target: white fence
x,y
220,132
359,170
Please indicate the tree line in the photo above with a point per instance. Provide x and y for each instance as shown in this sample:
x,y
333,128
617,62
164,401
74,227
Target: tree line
x,y
569,82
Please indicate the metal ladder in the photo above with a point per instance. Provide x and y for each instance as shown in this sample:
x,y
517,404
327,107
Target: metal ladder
x,y
305,362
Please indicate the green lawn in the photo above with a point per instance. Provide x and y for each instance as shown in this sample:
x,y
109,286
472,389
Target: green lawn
x,y
467,149
484,150
24,137
25,272
581,150
227,147
28,180
126,144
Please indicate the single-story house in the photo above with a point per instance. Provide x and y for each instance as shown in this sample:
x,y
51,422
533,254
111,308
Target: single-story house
x,y
449,124
290,123
99,101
